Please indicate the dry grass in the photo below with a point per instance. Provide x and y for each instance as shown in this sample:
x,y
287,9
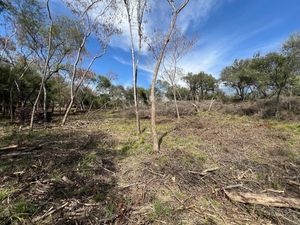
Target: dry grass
x,y
113,177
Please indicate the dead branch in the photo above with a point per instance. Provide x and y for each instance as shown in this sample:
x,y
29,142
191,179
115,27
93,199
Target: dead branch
x,y
273,190
49,213
228,187
204,172
9,147
155,173
263,199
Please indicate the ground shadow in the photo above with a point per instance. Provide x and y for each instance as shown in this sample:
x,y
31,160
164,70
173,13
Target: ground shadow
x,y
68,173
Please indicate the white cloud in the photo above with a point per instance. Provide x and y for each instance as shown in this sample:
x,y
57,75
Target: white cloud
x,y
214,53
144,67
159,17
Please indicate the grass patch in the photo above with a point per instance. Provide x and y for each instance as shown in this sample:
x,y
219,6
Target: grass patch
x,y
4,193
99,197
162,209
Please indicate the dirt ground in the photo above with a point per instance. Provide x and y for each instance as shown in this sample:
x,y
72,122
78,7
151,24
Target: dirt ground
x,y
96,170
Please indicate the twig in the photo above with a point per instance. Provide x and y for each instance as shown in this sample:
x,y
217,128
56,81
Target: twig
x,y
228,187
153,172
107,170
130,185
50,212
9,147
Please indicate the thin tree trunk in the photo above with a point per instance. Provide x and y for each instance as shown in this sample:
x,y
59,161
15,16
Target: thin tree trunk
x,y
35,104
136,104
63,122
134,63
211,103
45,67
277,104
11,104
45,103
155,74
67,111
74,89
91,105
175,101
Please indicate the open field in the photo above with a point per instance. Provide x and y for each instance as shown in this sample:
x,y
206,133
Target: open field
x,y
97,171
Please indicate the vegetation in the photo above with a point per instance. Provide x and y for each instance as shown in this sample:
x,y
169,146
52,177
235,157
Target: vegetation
x,y
76,147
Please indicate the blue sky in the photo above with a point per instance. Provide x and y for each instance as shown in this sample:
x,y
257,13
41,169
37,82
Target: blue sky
x,y
227,29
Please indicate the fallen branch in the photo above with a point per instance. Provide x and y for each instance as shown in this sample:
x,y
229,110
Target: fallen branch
x,y
273,190
49,213
228,187
9,147
263,199
204,172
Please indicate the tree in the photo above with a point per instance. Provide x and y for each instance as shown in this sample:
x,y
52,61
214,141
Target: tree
x,y
238,77
279,69
104,84
161,53
48,40
200,84
178,47
291,49
102,27
135,11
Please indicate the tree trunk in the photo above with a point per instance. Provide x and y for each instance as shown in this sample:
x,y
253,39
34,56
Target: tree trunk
x,y
45,66
175,101
134,66
277,104
45,103
136,104
35,104
67,111
11,104
153,83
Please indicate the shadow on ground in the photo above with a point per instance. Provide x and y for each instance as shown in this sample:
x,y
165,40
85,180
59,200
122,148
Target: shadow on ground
x,y
58,177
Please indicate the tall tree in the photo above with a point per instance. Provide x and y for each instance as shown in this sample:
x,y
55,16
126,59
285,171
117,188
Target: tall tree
x,y
178,47
135,11
96,18
161,53
279,70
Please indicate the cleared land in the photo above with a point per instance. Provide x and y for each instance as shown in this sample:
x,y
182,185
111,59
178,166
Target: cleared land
x,y
97,171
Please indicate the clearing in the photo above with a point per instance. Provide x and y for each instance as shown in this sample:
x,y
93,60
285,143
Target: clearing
x,y
97,171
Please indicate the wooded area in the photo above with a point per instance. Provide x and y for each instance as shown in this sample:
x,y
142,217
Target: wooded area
x,y
78,148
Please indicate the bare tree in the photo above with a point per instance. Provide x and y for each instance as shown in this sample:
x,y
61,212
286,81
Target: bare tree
x,y
97,19
178,47
175,12
135,12
171,75
45,69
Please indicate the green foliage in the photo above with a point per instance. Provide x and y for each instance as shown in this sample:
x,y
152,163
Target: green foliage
x,y
238,76
200,84
4,193
291,49
162,209
104,85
